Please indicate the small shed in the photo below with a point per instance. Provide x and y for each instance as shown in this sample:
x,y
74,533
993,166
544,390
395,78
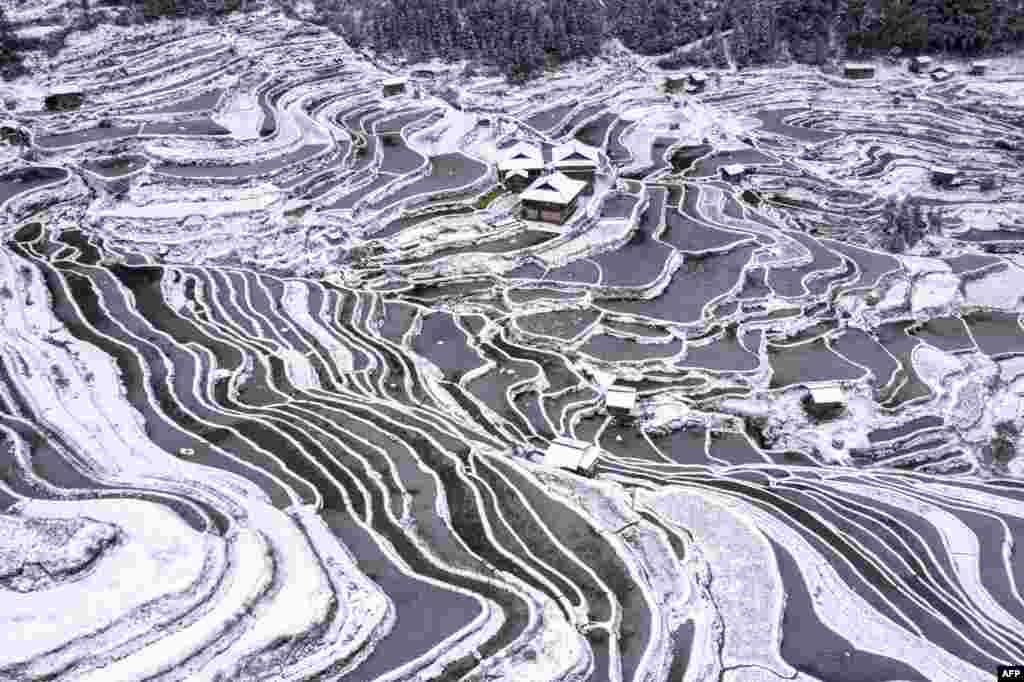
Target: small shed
x,y
676,82
572,455
825,401
64,100
921,64
980,68
734,172
394,86
858,71
552,198
620,401
941,73
943,175
698,80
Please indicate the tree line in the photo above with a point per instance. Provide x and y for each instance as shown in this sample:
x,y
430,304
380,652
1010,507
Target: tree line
x,y
522,36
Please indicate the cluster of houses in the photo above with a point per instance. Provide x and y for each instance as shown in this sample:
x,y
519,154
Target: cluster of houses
x,y
550,181
918,65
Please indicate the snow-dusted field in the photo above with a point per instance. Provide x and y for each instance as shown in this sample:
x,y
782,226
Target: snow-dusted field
x,y
280,359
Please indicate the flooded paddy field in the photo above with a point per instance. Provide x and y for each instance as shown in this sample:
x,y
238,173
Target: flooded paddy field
x,y
287,357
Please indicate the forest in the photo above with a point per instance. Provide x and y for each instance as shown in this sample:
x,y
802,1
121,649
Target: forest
x,y
523,37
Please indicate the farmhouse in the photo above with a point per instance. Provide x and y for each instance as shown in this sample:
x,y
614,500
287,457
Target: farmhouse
x,y
676,82
943,175
980,68
825,401
856,71
551,198
734,172
63,100
921,64
620,401
523,156
572,455
576,160
394,86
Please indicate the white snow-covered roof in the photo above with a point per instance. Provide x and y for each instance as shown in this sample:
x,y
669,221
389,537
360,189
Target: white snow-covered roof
x,y
734,169
827,393
621,397
556,188
571,454
983,63
857,66
518,173
698,76
395,81
521,156
523,150
943,170
574,153
923,60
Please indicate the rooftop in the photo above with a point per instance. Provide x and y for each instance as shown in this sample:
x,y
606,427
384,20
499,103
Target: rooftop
x,y
621,397
858,66
556,188
574,152
395,81
734,169
572,454
827,393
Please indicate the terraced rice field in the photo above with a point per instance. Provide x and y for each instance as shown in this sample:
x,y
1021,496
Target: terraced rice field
x,y
279,368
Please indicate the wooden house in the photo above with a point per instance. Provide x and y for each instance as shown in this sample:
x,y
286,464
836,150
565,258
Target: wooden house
x,y
552,198
921,64
394,86
858,71
943,176
620,401
63,100
517,180
576,160
734,172
825,401
676,82
698,80
523,156
572,455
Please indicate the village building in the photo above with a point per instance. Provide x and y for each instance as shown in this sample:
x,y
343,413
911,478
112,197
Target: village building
x,y
980,68
552,198
517,180
621,401
856,71
942,176
676,82
522,156
921,64
572,455
698,81
734,172
941,73
63,100
576,160
394,86
825,401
